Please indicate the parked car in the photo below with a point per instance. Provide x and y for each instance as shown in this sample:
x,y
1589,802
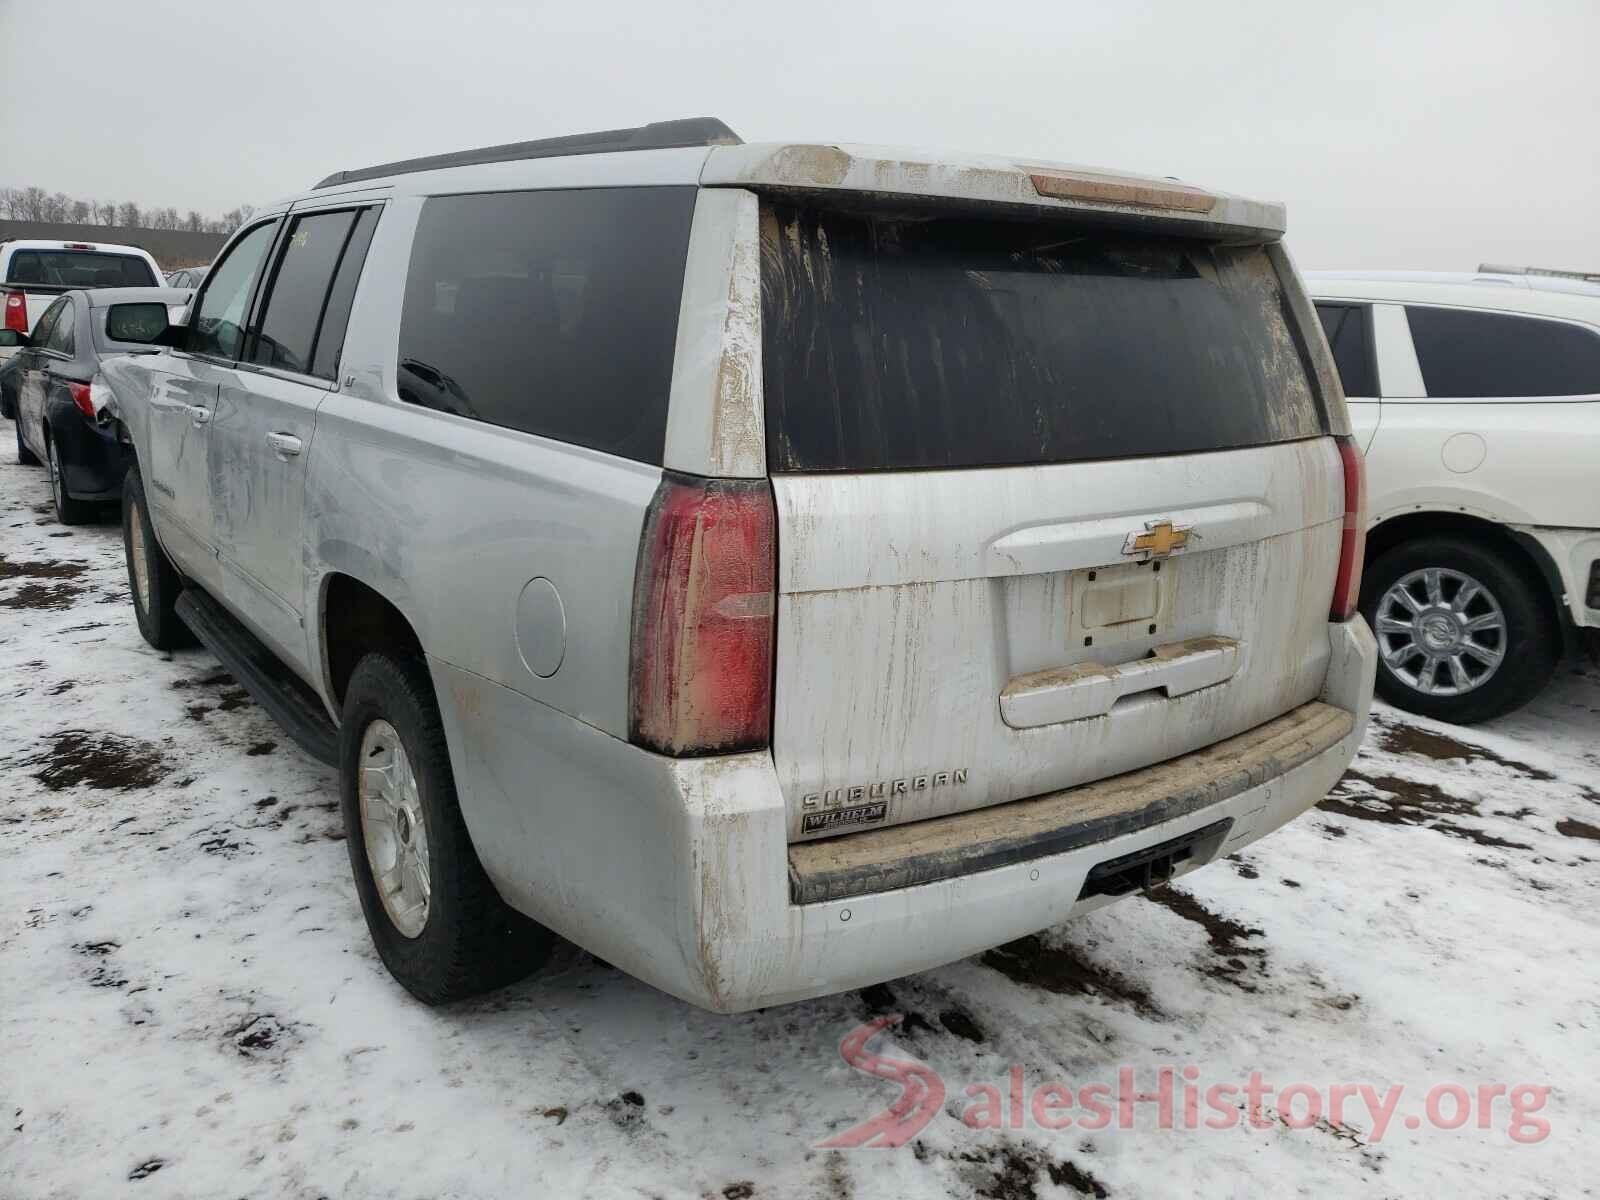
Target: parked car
x,y
186,277
33,273
776,568
59,415
8,388
1477,402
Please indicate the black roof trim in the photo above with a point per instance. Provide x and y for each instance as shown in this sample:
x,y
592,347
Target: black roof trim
x,y
660,135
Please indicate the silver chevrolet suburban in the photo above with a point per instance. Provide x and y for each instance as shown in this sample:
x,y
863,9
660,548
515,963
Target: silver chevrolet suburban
x,y
776,568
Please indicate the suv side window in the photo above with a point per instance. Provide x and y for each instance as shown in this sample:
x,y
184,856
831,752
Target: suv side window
x,y
219,314
336,313
552,312
1463,352
308,257
1350,339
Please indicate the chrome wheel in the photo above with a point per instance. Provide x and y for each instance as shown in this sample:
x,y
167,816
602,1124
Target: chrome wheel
x,y
1441,631
58,486
138,557
393,829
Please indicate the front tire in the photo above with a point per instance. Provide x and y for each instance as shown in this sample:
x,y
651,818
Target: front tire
x,y
435,918
1462,633
68,510
153,582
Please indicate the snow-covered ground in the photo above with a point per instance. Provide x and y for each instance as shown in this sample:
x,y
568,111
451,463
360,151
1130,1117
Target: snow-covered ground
x,y
189,1005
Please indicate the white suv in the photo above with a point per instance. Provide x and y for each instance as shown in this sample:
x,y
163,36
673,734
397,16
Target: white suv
x,y
776,568
1476,399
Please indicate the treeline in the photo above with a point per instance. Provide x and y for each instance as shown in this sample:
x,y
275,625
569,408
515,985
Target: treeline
x,y
36,204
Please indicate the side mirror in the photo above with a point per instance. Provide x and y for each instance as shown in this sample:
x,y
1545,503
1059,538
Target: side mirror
x,y
12,339
145,323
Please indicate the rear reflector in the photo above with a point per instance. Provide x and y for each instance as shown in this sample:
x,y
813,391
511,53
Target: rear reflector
x,y
1353,542
16,312
703,618
81,397
1102,189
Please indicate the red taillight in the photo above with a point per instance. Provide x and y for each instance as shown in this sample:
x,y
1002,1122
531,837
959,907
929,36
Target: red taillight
x,y
80,397
1353,543
16,312
703,617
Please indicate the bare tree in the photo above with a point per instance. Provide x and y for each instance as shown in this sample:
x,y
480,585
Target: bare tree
x,y
35,204
33,201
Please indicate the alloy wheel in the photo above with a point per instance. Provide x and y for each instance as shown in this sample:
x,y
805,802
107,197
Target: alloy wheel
x,y
1441,632
393,829
139,558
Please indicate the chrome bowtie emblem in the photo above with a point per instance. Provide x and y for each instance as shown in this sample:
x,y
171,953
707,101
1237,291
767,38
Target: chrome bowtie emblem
x,y
1159,539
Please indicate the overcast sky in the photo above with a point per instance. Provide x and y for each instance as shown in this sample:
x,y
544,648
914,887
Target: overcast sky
x,y
1431,135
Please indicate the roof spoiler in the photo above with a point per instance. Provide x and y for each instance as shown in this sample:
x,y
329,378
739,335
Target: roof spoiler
x,y
660,135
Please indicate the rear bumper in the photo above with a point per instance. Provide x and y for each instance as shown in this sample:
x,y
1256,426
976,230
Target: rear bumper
x,y
679,871
92,459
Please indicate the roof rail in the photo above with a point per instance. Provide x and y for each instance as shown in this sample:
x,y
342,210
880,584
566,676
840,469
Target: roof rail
x,y
660,135
1551,272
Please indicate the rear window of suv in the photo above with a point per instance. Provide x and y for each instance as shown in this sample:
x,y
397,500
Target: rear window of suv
x,y
895,343
552,312
78,269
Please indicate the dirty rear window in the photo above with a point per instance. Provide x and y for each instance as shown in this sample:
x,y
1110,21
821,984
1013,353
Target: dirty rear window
x,y
894,343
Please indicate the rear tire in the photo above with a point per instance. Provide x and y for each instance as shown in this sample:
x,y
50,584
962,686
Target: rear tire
x,y
68,510
438,923
153,582
1514,618
24,456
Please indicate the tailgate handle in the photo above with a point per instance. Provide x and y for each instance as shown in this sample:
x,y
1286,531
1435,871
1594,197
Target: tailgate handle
x,y
1085,690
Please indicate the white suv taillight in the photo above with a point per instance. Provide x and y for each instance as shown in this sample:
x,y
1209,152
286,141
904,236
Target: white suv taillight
x,y
1353,543
704,611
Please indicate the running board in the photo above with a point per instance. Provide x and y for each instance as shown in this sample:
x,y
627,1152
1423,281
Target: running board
x,y
271,684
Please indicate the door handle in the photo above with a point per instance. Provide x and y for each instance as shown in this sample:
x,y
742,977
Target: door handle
x,y
199,414
285,444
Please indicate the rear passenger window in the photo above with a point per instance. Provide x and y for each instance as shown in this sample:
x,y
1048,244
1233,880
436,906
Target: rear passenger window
x,y
63,334
330,338
1346,328
1467,353
46,324
551,312
306,263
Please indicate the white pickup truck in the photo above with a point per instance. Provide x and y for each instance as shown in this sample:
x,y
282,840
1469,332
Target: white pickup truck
x,y
34,273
